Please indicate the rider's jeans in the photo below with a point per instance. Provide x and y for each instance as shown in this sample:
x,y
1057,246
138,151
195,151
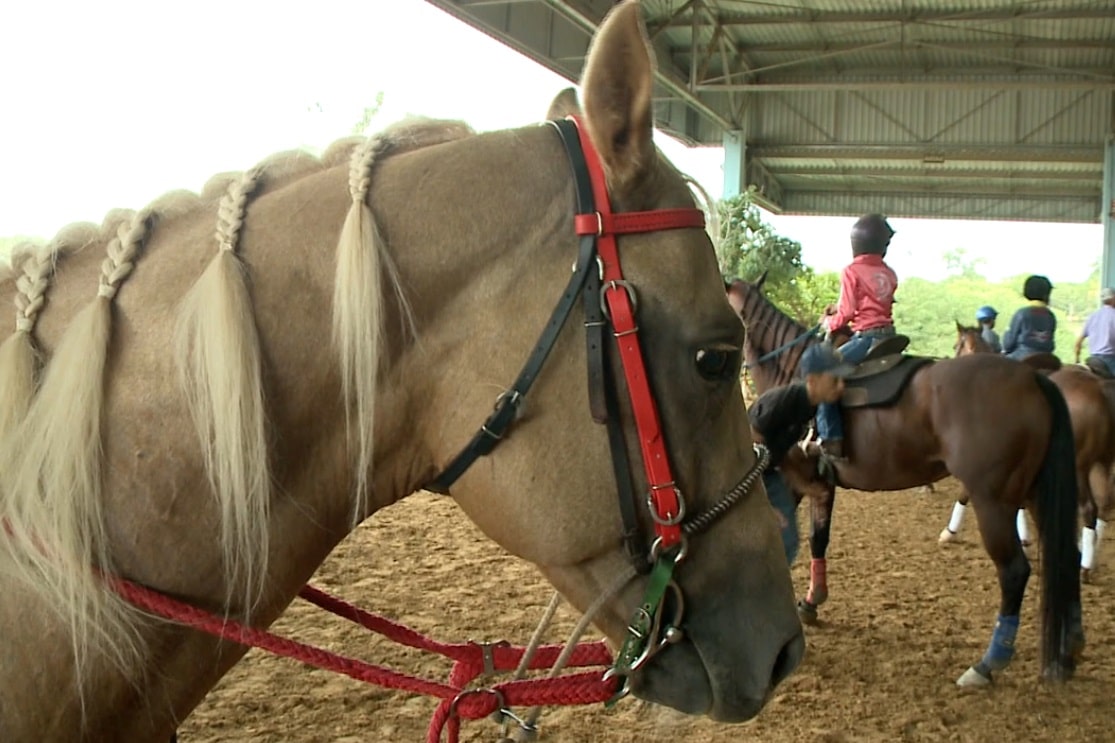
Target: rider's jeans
x,y
830,424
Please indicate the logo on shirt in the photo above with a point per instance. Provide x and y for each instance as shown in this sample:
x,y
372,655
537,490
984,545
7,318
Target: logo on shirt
x,y
882,286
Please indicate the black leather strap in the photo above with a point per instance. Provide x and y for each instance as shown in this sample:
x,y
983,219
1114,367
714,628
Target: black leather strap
x,y
507,405
602,395
603,399
621,467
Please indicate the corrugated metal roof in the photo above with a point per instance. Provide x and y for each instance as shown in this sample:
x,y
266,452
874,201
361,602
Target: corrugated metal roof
x,y
983,99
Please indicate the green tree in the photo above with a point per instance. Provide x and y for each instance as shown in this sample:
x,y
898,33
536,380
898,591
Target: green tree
x,y
809,294
959,263
749,248
928,311
361,127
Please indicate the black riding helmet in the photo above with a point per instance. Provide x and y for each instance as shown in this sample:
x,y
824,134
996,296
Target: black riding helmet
x,y
871,235
1037,288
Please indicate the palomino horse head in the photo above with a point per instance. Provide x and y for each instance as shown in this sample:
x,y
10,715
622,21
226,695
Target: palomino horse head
x,y
454,250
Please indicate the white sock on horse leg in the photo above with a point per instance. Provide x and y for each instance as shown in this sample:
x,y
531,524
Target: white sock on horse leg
x,y
1088,549
957,518
1023,526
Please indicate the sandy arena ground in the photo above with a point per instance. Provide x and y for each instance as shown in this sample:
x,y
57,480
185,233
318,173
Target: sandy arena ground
x,y
905,617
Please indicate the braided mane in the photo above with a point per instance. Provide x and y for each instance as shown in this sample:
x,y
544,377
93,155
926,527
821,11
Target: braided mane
x,y
55,536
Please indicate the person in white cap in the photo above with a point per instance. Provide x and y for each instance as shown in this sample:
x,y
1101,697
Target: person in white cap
x,y
1099,329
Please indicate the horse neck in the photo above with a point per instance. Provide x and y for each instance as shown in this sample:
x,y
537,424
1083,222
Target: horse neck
x,y
157,502
157,498
768,329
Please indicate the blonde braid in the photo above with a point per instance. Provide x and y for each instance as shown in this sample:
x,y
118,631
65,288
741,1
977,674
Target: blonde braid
x,y
220,366
35,270
231,210
122,251
358,310
360,166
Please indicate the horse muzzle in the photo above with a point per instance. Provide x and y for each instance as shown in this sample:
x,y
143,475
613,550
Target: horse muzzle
x,y
719,685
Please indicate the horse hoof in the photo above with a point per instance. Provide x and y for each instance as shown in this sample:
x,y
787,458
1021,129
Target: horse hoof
x,y
1057,673
1075,648
973,678
807,612
948,537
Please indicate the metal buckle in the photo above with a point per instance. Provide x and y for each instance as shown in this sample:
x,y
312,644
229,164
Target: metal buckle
x,y
618,284
527,727
666,520
513,397
487,651
624,688
656,549
501,703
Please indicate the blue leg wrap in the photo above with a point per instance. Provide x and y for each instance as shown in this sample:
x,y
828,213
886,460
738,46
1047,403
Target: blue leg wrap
x,y
1001,649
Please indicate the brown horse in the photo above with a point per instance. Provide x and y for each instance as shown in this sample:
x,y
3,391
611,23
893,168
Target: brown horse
x,y
1093,428
450,249
997,426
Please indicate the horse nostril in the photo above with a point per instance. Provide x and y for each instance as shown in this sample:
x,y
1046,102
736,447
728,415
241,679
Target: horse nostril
x,y
788,659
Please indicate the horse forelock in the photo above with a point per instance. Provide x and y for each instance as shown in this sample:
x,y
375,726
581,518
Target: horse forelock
x,y
708,206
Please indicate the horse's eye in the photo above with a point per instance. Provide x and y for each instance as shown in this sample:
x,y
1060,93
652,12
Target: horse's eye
x,y
714,364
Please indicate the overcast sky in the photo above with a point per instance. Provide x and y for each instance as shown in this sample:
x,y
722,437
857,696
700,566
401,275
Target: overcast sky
x,y
111,104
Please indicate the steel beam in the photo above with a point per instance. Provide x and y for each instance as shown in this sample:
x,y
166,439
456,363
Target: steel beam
x,y
1107,212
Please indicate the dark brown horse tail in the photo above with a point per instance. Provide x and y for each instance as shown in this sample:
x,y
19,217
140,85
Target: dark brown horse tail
x,y
1056,517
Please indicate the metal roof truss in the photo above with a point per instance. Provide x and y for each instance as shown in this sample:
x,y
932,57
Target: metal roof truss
x,y
942,108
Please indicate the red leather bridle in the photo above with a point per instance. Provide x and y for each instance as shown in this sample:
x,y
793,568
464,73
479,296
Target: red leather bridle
x,y
610,303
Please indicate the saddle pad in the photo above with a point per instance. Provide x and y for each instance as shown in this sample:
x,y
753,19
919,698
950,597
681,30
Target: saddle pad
x,y
883,383
1097,367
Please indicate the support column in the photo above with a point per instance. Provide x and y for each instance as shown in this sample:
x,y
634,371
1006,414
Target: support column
x,y
1107,213
735,163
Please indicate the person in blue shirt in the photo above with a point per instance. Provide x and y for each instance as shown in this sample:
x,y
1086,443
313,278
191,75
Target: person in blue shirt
x,y
985,317
1032,327
781,417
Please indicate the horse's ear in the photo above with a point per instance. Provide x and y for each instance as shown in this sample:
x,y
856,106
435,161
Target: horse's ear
x,y
735,292
760,281
959,328
564,104
616,86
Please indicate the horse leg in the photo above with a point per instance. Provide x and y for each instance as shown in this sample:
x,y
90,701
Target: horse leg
x,y
1088,481
1023,527
1103,491
997,525
951,533
820,512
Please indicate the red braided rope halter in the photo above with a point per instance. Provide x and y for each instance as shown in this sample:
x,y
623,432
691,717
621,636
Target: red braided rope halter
x,y
470,659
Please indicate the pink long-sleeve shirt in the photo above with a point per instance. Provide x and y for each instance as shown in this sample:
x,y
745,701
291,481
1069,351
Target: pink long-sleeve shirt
x,y
867,287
